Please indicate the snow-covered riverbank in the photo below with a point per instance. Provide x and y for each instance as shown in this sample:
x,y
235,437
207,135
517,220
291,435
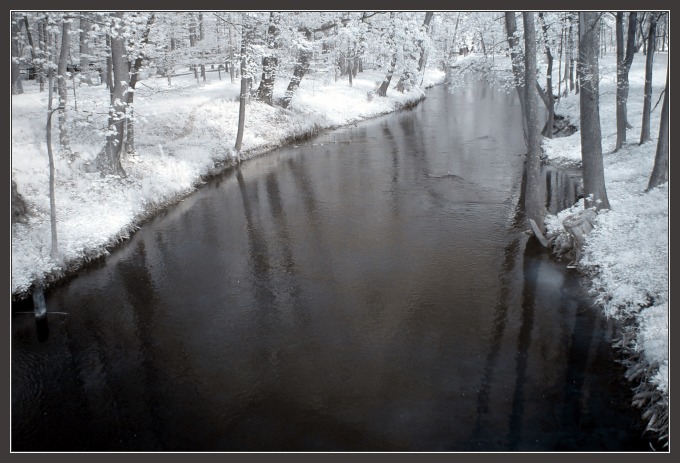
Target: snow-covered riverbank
x,y
626,255
184,132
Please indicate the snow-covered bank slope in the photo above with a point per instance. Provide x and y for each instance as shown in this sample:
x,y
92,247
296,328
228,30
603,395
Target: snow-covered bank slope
x,y
183,132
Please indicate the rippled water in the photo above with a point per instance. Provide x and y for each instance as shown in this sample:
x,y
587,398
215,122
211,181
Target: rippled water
x,y
370,289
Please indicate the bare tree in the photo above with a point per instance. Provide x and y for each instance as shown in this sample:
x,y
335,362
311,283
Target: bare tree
x,y
17,86
34,53
86,26
550,103
591,138
645,135
622,68
19,206
660,170
517,57
301,67
108,161
534,200
270,61
54,252
134,77
246,37
382,90
62,79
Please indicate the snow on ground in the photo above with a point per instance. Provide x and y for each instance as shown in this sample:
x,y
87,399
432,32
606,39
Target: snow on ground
x,y
627,252
184,131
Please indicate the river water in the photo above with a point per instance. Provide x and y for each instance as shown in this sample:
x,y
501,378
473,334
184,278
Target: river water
x,y
370,289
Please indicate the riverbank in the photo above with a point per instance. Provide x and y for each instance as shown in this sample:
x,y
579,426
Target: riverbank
x,y
184,133
626,255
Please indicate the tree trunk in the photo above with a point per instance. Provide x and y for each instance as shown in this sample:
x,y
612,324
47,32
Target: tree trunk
x,y
570,40
42,45
620,109
109,67
265,91
192,30
19,207
645,135
134,77
548,130
660,170
534,200
64,136
54,252
85,27
423,52
231,55
591,139
559,62
108,160
382,90
29,37
517,68
301,68
245,39
17,85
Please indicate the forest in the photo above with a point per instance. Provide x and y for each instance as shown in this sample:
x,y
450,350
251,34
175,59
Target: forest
x,y
118,116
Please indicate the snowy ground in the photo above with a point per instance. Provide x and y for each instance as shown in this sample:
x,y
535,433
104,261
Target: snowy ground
x,y
627,252
184,132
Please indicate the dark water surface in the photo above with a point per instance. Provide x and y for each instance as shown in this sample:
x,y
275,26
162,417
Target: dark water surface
x,y
370,289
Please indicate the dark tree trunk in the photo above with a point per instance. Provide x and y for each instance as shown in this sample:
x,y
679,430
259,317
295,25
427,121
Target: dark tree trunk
x,y
423,51
85,27
245,40
550,103
62,79
134,77
231,55
571,54
192,30
559,60
517,67
17,85
382,90
201,33
19,207
591,139
534,199
42,45
265,91
623,64
645,133
108,160
660,170
54,252
301,68
109,67
34,52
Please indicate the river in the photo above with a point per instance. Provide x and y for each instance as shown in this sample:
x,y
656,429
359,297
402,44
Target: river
x,y
370,289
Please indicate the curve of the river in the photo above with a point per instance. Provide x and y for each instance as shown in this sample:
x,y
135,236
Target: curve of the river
x,y
369,289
